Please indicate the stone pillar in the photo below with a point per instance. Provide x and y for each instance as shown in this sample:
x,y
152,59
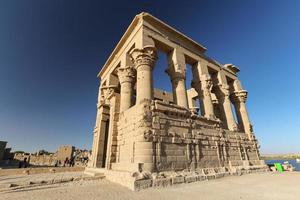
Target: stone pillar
x,y
226,103
101,127
179,88
203,89
239,99
176,70
126,77
223,94
203,84
144,60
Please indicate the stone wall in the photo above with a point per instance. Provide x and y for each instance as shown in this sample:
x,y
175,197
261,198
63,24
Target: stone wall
x,y
81,158
37,160
171,138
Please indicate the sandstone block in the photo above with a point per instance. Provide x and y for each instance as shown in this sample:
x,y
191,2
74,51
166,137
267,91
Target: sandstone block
x,y
190,179
177,180
142,184
162,182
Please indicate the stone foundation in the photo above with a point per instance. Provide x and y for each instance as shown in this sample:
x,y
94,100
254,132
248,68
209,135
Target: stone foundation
x,y
163,137
158,180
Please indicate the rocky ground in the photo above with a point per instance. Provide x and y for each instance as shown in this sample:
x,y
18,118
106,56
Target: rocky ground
x,y
266,186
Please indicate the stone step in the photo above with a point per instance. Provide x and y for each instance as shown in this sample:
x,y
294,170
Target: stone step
x,y
91,173
96,172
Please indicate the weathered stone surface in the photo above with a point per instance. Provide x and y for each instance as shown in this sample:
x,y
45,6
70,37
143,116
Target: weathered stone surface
x,y
162,182
189,179
142,184
177,180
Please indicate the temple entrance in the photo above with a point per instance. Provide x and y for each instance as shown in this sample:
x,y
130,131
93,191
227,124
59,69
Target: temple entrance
x,y
106,132
102,136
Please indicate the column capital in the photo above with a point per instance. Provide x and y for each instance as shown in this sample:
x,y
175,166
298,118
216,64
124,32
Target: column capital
x,y
175,75
126,74
224,88
240,96
145,56
106,93
206,82
204,86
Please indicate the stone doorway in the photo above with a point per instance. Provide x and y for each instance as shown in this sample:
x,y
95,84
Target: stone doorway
x,y
106,132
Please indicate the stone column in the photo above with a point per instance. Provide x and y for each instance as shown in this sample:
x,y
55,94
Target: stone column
x,y
126,77
179,88
144,60
226,103
239,99
177,72
203,89
203,84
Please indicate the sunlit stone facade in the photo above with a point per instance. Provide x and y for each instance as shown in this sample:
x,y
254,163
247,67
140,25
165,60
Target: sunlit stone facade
x,y
146,137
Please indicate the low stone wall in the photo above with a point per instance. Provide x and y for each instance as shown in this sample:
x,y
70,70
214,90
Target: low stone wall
x,y
37,160
46,160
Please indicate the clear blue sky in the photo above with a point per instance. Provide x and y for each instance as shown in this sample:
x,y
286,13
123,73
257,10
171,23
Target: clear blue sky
x,y
51,52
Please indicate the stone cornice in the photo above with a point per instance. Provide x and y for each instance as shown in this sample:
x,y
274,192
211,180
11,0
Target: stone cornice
x,y
231,68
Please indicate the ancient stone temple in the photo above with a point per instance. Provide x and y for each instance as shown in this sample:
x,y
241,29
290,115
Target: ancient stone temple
x,y
145,137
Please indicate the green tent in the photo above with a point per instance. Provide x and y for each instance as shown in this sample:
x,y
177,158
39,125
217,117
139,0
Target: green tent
x,y
278,166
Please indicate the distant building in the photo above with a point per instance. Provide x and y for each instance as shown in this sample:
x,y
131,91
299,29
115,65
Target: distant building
x,y
45,158
65,151
2,149
5,153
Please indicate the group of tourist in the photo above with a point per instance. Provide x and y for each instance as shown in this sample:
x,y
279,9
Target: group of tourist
x,y
24,163
69,162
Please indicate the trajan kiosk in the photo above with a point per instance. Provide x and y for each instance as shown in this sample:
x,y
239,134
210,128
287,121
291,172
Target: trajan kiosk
x,y
145,137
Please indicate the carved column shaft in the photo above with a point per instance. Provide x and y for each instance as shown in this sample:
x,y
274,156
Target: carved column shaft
x,y
239,99
203,89
126,77
179,90
226,103
144,60
177,72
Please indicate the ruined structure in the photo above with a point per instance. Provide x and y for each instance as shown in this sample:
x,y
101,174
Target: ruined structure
x,y
40,158
65,151
5,153
145,137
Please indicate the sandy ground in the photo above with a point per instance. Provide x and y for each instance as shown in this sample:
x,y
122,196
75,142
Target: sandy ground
x,y
39,170
267,186
21,178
